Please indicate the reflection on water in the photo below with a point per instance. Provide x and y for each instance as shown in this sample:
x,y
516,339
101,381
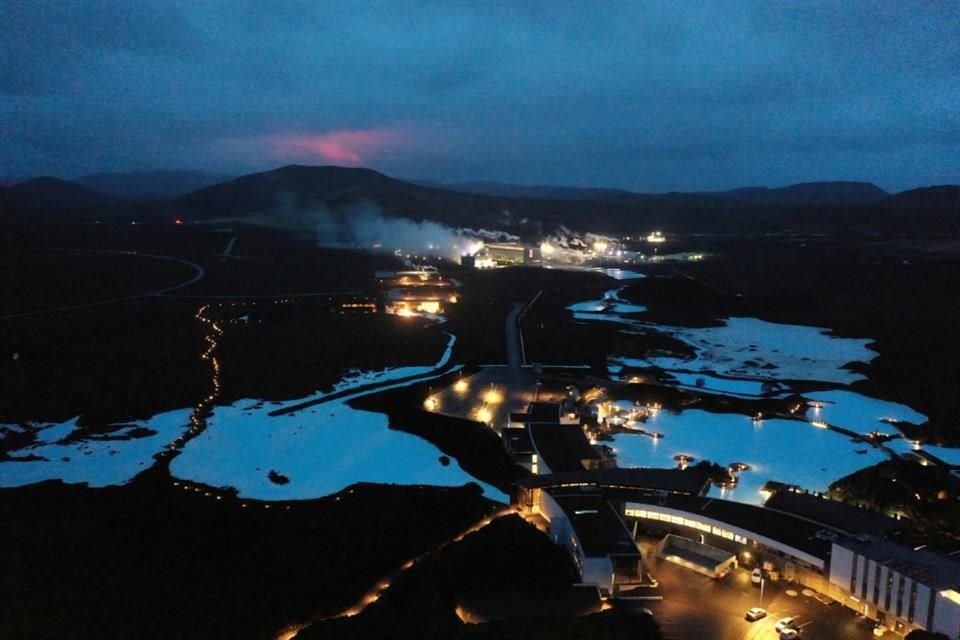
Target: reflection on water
x,y
320,450
790,451
748,357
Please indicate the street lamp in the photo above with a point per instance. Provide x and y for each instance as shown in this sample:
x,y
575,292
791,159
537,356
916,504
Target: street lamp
x,y
762,580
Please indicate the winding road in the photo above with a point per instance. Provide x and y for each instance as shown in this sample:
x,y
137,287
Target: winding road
x,y
199,273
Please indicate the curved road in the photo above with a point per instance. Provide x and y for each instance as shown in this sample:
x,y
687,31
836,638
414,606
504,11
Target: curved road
x,y
514,341
199,272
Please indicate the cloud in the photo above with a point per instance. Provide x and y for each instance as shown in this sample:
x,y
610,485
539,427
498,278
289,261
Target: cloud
x,y
346,147
639,95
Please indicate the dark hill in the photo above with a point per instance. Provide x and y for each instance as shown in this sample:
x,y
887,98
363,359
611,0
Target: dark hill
x,y
811,193
295,188
150,185
944,198
281,196
288,196
55,190
51,199
521,191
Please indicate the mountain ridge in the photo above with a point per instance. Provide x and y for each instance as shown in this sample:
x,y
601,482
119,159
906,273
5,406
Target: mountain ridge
x,y
150,185
291,194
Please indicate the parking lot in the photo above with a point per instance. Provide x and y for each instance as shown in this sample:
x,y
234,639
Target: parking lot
x,y
695,606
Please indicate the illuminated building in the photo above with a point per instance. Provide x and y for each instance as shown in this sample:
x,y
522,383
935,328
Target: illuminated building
x,y
503,254
904,589
599,543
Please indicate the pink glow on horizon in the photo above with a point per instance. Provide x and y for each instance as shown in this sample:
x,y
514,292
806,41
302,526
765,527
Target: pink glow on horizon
x,y
353,147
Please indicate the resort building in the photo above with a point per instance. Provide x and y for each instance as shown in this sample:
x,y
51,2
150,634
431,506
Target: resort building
x,y
902,588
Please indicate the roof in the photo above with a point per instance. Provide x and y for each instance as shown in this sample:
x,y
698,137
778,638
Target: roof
x,y
574,601
785,528
692,480
599,529
838,515
562,446
538,412
927,567
518,440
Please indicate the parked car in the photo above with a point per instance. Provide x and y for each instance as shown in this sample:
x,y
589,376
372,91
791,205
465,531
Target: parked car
x,y
785,623
755,614
756,577
789,634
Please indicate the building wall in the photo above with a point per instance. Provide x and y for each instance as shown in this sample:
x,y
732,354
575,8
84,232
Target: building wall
x,y
592,570
946,618
882,593
647,514
598,571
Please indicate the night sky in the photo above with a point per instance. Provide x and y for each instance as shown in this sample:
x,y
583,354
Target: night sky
x,y
647,96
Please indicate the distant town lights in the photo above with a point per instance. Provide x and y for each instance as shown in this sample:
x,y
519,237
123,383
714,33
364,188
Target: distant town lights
x,y
656,237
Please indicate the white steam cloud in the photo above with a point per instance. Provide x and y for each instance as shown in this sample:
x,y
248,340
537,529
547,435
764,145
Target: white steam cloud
x,y
366,227
568,247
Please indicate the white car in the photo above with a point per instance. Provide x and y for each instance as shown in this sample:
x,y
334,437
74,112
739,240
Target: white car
x,y
756,576
789,634
785,623
755,614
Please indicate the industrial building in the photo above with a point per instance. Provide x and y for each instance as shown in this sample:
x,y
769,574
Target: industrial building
x,y
415,291
503,254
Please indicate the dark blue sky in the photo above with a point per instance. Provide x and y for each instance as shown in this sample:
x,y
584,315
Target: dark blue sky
x,y
650,96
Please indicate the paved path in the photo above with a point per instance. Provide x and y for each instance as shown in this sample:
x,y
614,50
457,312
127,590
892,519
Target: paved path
x,y
229,249
516,354
441,367
512,331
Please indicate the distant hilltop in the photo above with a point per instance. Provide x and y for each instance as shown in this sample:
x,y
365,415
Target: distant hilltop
x,y
289,195
150,185
803,193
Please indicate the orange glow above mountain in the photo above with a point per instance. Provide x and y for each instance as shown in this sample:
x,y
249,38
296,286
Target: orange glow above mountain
x,y
346,147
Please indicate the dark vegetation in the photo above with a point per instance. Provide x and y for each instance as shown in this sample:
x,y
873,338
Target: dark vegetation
x,y
287,351
35,280
132,359
927,495
107,364
148,560
509,560
478,320
477,448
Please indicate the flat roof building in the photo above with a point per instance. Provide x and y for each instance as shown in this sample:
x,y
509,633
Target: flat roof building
x,y
563,447
620,483
599,542
843,517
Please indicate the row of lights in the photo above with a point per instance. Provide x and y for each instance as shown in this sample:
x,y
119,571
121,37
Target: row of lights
x,y
206,492
374,594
